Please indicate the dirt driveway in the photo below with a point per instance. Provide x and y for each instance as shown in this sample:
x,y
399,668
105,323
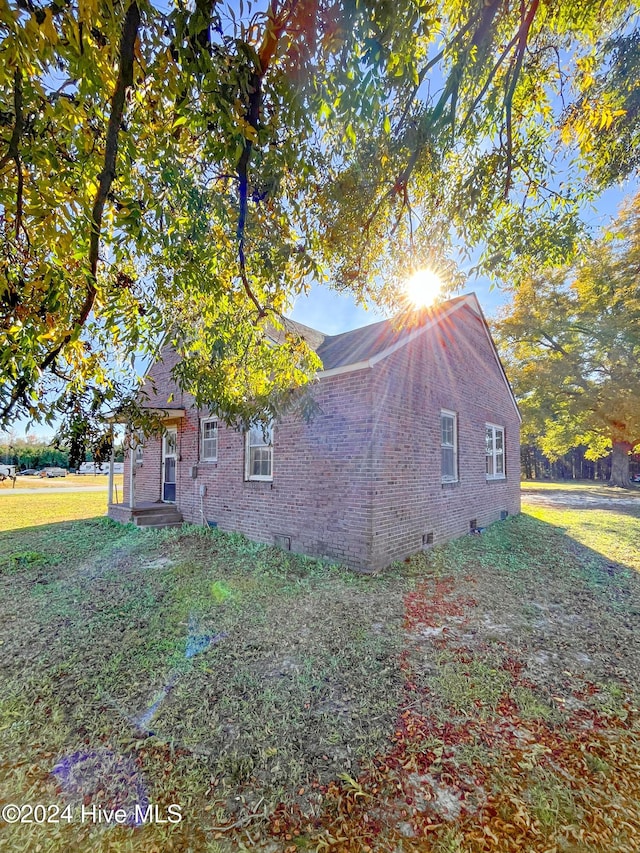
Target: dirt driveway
x,y
601,497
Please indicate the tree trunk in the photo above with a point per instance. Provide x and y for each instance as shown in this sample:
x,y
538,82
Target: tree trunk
x,y
620,464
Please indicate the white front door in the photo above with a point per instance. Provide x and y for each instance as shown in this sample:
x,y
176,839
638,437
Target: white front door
x,y
169,458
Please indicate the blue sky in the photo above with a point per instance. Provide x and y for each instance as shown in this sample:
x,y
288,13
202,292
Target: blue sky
x,y
332,313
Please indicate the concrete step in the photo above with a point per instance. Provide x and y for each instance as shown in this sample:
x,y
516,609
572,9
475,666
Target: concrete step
x,y
159,507
145,520
161,526
158,518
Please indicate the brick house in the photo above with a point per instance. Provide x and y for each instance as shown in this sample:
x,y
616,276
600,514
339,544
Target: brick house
x,y
415,441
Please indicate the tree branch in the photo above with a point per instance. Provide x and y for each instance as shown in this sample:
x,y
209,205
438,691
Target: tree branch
x,y
523,36
425,70
124,82
13,151
488,81
449,93
14,142
107,176
275,28
551,343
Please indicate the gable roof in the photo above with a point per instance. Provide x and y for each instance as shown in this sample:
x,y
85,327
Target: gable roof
x,y
364,347
379,339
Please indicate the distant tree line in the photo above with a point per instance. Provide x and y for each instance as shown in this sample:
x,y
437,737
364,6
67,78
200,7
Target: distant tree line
x,y
570,466
31,452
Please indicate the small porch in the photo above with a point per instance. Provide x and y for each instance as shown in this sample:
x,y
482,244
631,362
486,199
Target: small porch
x,y
146,514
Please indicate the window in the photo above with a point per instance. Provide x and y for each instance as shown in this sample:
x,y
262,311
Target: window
x,y
260,452
449,446
208,441
495,452
139,454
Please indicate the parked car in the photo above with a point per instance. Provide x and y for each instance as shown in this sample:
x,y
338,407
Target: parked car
x,y
28,472
53,472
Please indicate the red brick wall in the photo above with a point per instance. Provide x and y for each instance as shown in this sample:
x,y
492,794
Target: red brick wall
x,y
320,496
453,368
360,483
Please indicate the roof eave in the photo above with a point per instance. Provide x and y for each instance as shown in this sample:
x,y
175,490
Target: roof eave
x,y
164,413
470,300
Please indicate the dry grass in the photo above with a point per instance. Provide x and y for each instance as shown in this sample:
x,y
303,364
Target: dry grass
x,y
23,511
478,698
71,482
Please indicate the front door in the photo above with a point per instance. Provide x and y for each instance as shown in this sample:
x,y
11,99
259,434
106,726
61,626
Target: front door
x,y
169,456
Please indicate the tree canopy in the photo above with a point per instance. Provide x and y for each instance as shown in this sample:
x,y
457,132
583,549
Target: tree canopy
x,y
572,338
182,171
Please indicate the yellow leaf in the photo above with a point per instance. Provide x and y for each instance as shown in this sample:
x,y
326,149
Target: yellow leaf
x,y
87,10
48,27
565,134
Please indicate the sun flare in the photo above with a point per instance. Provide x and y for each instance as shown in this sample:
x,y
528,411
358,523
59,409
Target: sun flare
x,y
423,288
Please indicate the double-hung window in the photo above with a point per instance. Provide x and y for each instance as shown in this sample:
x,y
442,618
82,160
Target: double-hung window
x,y
259,454
449,446
209,440
495,452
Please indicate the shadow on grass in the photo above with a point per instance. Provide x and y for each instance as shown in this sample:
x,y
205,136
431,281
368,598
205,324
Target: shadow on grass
x,y
60,542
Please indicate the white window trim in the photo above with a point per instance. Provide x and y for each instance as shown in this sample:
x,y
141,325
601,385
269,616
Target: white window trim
x,y
495,454
247,459
454,415
202,457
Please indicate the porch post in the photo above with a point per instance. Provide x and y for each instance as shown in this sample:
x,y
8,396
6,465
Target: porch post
x,y
111,461
132,480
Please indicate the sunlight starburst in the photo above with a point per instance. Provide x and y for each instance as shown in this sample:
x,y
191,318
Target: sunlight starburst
x,y
423,288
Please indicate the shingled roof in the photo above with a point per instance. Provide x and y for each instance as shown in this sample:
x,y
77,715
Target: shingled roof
x,y
366,342
358,348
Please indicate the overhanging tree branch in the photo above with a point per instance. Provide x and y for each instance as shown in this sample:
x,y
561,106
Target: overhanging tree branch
x,y
276,25
124,82
479,41
18,124
523,37
13,151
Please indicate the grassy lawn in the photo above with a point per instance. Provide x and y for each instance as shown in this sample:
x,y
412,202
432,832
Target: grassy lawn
x,y
71,482
613,534
25,511
481,697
